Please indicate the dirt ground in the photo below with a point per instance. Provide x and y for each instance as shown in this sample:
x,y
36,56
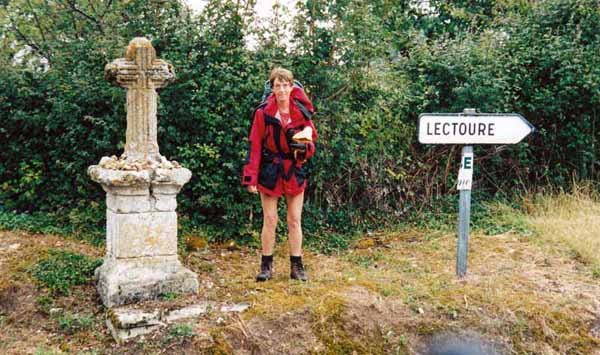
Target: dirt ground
x,y
390,294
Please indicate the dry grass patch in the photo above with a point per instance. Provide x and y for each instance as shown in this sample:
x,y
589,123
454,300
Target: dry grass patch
x,y
570,220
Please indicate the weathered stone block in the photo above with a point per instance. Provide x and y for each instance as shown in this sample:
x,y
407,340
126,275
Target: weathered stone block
x,y
124,281
129,203
240,307
192,311
164,203
127,318
170,181
133,235
125,324
121,335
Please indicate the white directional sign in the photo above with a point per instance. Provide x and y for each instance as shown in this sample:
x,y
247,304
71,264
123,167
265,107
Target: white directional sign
x,y
467,128
465,173
475,128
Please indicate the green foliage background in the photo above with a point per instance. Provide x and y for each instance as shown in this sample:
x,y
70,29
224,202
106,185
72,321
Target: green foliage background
x,y
370,67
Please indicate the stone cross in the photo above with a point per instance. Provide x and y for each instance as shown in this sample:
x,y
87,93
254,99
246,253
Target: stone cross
x,y
140,72
141,259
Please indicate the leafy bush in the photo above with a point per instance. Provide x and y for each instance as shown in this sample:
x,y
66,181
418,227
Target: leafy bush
x,y
62,270
85,221
370,75
37,222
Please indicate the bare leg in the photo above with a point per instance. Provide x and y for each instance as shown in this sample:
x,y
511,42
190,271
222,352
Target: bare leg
x,y
267,236
294,223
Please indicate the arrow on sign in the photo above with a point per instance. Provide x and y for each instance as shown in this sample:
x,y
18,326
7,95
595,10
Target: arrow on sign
x,y
476,128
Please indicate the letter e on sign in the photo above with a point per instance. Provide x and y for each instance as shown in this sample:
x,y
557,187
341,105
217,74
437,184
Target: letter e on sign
x,y
467,162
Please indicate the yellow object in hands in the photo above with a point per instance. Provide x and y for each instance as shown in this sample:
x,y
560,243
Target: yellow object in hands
x,y
304,136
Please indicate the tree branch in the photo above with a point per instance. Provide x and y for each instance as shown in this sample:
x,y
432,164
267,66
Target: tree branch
x,y
82,13
25,39
338,92
65,9
29,42
108,4
37,21
92,6
50,15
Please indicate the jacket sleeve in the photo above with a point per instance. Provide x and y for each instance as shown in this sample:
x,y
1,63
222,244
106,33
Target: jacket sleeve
x,y
310,147
250,175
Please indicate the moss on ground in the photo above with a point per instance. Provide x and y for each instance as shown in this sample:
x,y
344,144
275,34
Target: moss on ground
x,y
329,326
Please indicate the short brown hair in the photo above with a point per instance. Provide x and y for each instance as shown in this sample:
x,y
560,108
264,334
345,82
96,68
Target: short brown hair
x,y
281,74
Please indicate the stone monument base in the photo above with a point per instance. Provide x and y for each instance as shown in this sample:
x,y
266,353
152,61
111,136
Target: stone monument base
x,y
123,281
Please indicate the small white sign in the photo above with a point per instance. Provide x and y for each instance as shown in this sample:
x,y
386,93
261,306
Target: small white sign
x,y
476,128
465,174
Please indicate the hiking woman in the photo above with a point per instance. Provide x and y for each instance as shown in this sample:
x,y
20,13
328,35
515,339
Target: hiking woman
x,y
281,141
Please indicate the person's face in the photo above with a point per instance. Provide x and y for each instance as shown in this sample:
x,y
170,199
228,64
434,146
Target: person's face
x,y
282,90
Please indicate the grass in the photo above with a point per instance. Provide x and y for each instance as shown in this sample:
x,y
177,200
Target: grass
x,y
43,350
509,293
328,319
570,220
71,323
180,331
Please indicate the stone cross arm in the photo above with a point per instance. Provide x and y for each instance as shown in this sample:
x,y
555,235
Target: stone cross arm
x,y
140,69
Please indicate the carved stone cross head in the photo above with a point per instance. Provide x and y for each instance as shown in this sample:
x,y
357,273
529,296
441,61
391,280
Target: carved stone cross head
x,y
140,72
140,69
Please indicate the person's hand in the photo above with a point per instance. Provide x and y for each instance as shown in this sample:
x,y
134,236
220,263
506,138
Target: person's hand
x,y
252,189
299,150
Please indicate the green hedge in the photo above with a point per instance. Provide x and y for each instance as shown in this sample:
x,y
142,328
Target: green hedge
x,y
370,73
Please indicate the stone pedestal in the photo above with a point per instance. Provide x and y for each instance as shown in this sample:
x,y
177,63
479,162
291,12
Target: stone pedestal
x,y
141,233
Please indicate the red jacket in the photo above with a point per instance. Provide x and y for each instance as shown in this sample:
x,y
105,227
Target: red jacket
x,y
265,166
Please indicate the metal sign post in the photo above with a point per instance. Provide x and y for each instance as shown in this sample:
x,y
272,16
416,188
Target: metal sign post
x,y
470,128
465,179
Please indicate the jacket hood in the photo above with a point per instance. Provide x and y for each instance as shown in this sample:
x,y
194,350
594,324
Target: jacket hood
x,y
297,94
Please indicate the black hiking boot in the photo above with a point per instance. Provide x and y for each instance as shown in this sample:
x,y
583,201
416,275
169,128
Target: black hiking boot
x,y
297,269
266,268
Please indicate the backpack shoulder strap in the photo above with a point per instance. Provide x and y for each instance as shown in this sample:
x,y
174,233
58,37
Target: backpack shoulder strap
x,y
266,91
305,112
259,107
